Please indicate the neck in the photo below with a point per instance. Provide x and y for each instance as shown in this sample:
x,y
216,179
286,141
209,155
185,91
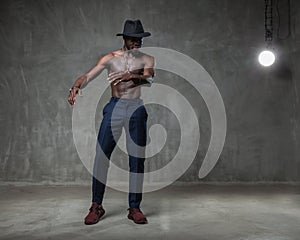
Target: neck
x,y
124,48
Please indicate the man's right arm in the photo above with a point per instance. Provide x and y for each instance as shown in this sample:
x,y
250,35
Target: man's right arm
x,y
83,80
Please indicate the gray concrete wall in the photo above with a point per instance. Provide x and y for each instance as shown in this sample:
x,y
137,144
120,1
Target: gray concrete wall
x,y
46,45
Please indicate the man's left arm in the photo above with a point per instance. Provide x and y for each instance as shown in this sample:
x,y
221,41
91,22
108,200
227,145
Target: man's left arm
x,y
148,73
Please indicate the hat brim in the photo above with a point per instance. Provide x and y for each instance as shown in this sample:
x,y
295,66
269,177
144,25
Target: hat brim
x,y
145,34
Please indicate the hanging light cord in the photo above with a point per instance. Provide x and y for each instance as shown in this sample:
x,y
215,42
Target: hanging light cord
x,y
268,21
279,22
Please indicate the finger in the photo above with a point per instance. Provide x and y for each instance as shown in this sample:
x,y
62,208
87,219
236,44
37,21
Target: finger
x,y
114,82
117,82
110,81
71,101
116,76
73,93
115,73
110,76
114,79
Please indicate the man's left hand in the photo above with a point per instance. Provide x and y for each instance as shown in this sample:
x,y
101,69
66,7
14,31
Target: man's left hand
x,y
118,77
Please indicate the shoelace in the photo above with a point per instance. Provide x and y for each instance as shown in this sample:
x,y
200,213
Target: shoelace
x,y
136,212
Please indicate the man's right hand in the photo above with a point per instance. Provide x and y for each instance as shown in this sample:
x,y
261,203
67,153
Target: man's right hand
x,y
72,95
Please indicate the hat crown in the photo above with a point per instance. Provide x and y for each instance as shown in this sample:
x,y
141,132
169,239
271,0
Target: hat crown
x,y
133,26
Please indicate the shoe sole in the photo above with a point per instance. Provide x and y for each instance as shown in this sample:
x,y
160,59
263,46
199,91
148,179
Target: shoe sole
x,y
131,218
92,223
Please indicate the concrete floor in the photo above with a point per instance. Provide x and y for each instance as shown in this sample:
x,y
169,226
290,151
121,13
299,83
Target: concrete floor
x,y
181,211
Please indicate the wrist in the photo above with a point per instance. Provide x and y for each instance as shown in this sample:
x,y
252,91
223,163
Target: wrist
x,y
76,87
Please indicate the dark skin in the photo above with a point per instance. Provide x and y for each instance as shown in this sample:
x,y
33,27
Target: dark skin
x,y
127,68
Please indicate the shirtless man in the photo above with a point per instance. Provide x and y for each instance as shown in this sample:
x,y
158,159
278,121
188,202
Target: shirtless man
x,y
128,69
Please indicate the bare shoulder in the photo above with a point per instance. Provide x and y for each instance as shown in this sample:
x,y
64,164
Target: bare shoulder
x,y
148,58
106,58
117,52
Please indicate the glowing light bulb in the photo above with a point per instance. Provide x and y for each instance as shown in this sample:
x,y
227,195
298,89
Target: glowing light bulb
x,y
266,58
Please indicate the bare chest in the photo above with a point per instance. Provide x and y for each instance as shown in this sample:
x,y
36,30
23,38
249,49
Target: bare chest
x,y
126,63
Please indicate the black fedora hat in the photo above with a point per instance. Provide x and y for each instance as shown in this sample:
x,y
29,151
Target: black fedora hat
x,y
134,28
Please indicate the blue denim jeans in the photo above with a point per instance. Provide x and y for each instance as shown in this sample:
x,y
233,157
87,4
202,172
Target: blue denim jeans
x,y
132,115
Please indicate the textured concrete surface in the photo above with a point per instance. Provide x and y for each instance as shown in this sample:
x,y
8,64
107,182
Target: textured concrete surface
x,y
45,45
185,211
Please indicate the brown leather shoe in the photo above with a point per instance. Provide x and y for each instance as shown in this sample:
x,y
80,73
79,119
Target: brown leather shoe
x,y
137,216
96,212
